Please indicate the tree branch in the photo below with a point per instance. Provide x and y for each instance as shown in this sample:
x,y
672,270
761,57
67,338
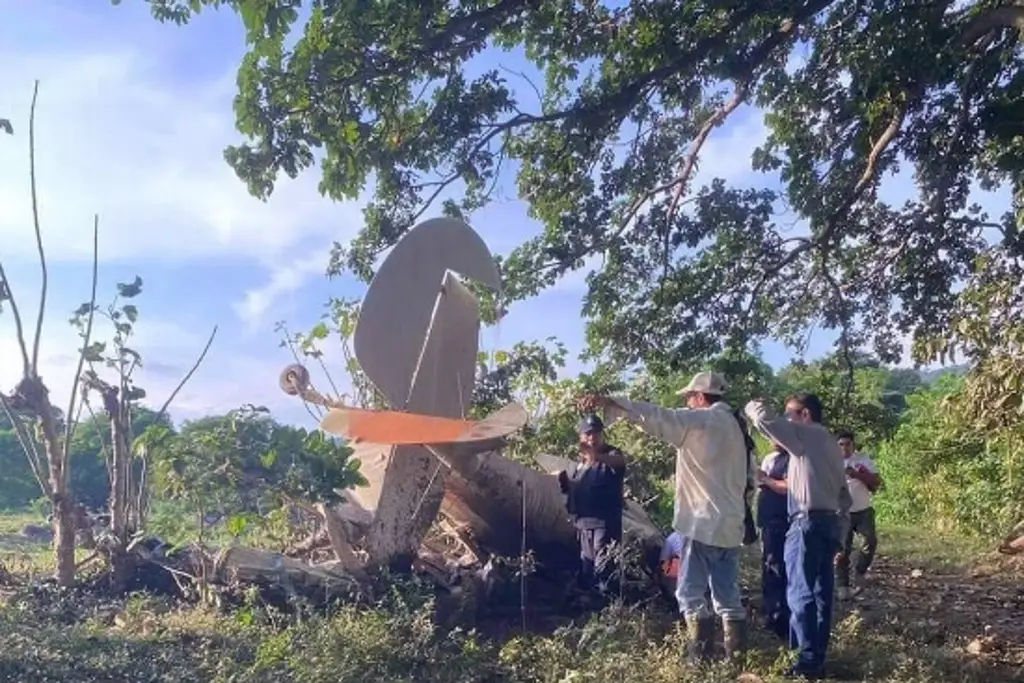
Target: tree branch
x,y
38,230
714,121
71,420
28,446
99,433
5,289
883,142
1011,16
195,366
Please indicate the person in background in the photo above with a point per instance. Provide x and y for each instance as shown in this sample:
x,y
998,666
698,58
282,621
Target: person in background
x,y
712,474
863,480
595,500
773,520
817,501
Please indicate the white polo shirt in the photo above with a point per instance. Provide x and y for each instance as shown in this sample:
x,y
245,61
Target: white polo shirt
x,y
860,493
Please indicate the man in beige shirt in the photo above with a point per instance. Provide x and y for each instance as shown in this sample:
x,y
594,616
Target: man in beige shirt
x,y
712,475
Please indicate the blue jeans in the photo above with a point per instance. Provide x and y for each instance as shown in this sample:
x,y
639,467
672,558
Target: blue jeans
x,y
811,546
703,566
773,576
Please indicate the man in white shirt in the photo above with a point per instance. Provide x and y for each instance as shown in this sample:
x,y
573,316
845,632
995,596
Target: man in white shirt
x,y
863,480
712,475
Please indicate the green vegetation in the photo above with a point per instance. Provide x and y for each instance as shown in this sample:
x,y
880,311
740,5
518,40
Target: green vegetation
x,y
892,637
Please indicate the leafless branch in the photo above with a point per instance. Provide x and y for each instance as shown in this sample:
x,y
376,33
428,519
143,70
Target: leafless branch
x,y
38,230
19,328
71,419
327,374
99,432
188,375
28,446
522,75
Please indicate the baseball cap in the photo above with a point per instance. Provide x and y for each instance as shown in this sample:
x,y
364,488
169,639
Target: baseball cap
x,y
591,423
705,383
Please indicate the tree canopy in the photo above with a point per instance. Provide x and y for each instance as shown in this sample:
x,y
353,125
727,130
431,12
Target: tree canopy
x,y
605,143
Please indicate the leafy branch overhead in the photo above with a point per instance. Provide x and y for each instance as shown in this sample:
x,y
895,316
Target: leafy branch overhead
x,y
605,149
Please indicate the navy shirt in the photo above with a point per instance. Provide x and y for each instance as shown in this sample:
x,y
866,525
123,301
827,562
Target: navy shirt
x,y
596,494
772,506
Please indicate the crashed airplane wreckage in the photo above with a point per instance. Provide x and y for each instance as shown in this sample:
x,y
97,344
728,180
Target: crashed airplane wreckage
x,y
416,341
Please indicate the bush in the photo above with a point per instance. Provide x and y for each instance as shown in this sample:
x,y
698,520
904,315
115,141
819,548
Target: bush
x,y
943,474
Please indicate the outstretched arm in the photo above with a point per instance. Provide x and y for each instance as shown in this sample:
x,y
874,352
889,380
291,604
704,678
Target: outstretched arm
x,y
667,424
778,429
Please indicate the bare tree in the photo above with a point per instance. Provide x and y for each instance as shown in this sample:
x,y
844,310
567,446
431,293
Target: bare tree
x,y
29,404
128,485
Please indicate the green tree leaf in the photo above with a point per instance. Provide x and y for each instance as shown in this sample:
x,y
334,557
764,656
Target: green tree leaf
x,y
236,525
131,289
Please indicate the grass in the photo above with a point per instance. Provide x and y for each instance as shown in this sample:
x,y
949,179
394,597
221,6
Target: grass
x,y
936,551
891,637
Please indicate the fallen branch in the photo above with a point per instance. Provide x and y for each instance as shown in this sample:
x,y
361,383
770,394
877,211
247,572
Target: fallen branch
x,y
1013,543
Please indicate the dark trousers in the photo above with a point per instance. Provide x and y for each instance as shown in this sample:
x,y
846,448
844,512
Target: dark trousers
x,y
811,545
863,524
597,566
773,577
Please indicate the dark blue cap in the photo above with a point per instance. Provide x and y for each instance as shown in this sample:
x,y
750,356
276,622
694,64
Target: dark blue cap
x,y
591,423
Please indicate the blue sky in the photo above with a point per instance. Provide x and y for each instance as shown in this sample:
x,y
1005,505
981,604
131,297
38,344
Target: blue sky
x,y
132,120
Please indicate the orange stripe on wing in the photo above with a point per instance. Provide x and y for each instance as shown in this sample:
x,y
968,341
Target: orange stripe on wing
x,y
393,427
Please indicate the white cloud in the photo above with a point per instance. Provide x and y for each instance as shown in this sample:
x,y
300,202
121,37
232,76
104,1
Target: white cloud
x,y
727,153
283,279
116,137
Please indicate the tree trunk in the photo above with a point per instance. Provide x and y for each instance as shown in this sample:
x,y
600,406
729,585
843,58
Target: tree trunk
x,y
60,499
119,559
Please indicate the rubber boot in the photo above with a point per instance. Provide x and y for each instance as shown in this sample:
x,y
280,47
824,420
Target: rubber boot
x,y
702,643
734,633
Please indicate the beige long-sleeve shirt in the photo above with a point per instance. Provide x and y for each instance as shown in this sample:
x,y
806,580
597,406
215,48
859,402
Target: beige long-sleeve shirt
x,y
816,476
712,468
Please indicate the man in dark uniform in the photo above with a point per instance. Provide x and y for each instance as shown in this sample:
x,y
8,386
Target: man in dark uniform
x,y
595,500
773,518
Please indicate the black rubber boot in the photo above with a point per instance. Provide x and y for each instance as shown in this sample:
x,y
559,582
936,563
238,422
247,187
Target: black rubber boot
x,y
735,636
702,643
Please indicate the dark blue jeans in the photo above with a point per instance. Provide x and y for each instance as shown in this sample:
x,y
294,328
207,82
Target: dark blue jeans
x,y
773,577
811,546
